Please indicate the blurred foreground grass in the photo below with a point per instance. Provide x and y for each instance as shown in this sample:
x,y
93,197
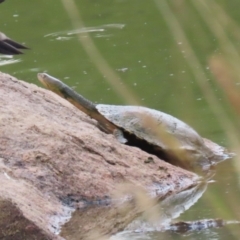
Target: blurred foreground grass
x,y
194,25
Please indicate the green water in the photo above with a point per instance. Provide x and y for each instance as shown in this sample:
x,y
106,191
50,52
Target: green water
x,y
136,40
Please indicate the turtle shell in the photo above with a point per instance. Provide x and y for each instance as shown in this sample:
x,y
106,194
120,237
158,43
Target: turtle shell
x,y
168,137
155,127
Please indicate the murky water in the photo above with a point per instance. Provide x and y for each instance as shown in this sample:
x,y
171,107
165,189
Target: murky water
x,y
219,201
148,53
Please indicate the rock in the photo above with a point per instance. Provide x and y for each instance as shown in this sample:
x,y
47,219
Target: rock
x,y
54,160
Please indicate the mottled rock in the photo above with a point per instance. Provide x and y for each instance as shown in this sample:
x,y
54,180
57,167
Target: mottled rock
x,y
54,160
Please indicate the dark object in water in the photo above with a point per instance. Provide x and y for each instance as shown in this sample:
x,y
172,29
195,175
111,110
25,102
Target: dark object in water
x,y
203,224
8,46
2,1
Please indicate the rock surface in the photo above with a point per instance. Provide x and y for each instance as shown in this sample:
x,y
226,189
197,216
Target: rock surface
x,y
54,160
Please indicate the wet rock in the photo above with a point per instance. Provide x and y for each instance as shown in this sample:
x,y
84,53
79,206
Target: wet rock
x,y
55,164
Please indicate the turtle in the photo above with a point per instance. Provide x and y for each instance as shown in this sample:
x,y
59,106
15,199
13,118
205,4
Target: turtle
x,y
153,131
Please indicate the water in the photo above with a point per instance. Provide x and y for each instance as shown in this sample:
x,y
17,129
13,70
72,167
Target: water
x,y
190,206
150,59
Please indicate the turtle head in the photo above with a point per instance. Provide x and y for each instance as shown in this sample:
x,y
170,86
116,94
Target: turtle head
x,y
63,90
51,83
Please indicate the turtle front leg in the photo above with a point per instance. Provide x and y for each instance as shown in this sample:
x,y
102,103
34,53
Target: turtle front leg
x,y
118,134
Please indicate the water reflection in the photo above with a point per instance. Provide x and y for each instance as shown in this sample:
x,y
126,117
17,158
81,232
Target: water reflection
x,y
134,211
167,210
171,208
8,61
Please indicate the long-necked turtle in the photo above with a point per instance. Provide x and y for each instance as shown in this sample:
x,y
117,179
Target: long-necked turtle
x,y
151,130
